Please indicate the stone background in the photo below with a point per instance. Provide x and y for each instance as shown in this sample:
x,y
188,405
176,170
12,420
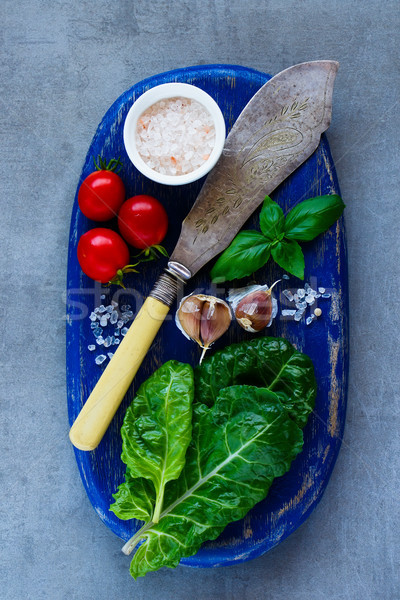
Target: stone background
x,y
62,66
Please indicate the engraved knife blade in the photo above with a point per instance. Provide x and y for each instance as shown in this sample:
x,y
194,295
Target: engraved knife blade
x,y
276,132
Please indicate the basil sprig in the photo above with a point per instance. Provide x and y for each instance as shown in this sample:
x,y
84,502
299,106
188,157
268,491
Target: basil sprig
x,y
250,250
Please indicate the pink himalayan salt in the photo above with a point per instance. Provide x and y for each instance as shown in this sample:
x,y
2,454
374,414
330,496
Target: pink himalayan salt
x,y
175,136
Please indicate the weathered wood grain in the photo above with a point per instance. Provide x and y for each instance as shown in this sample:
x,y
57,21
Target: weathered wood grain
x,y
292,497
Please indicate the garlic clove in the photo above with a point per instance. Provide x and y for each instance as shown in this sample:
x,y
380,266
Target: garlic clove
x,y
189,315
215,321
254,306
253,313
203,318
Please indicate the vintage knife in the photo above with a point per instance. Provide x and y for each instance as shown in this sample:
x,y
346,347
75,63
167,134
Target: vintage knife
x,y
275,133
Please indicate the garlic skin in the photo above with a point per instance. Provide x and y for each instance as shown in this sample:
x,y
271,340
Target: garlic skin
x,y
254,306
189,317
203,319
254,311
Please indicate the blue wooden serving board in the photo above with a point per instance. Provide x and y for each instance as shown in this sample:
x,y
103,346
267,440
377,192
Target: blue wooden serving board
x,y
293,496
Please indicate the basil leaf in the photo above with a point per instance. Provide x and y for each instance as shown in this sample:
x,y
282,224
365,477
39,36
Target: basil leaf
x,y
272,219
248,252
312,217
267,362
157,427
239,446
290,257
135,499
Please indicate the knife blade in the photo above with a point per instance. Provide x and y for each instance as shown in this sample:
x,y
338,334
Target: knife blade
x,y
275,133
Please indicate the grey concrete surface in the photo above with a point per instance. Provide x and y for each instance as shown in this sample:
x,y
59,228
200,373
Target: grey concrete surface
x,y
62,65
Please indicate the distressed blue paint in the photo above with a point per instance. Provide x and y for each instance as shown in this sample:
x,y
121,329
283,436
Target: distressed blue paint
x,y
293,496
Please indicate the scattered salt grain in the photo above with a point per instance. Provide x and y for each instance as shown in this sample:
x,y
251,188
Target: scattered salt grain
x,y
288,294
102,297
100,318
303,298
175,136
301,305
108,341
285,276
100,359
298,315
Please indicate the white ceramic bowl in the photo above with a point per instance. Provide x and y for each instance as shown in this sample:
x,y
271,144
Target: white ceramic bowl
x,y
161,92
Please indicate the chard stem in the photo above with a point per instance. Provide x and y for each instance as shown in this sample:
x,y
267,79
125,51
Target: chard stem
x,y
135,539
158,506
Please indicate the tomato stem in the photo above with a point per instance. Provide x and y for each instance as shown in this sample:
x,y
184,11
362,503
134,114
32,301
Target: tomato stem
x,y
119,276
151,253
114,164
148,254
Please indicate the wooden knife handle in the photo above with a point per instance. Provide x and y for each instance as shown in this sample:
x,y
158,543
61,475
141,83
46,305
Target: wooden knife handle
x,y
102,404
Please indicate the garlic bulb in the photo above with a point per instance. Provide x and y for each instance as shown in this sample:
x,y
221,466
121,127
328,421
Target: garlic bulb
x,y
254,306
204,319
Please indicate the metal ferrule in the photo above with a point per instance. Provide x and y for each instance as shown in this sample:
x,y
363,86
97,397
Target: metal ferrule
x,y
167,288
179,270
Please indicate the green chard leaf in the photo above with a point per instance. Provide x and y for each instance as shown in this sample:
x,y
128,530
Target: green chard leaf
x,y
268,362
313,216
157,427
288,255
272,220
135,499
248,252
239,446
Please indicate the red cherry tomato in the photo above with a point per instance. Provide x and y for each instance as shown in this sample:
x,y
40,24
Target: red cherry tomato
x,y
101,195
142,221
101,252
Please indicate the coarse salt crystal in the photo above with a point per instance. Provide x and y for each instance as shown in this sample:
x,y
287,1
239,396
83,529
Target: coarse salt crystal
x,y
288,295
175,136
